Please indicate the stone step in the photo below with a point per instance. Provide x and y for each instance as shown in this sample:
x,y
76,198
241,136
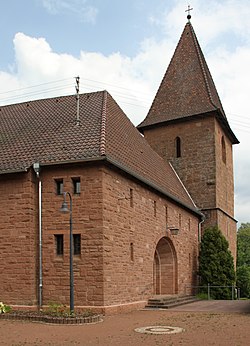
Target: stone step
x,y
166,299
169,302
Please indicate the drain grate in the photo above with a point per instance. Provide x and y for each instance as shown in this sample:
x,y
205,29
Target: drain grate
x,y
159,330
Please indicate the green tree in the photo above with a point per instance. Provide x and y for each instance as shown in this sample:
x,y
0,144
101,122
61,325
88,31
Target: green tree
x,y
243,280
243,259
216,265
243,245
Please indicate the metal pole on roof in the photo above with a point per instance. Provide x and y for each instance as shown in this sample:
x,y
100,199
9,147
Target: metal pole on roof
x,y
77,100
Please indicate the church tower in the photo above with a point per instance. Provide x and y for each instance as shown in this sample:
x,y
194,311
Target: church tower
x,y
187,126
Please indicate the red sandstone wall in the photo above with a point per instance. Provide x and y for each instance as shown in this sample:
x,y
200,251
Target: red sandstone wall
x,y
105,273
18,239
224,178
87,221
196,166
225,188
143,225
208,179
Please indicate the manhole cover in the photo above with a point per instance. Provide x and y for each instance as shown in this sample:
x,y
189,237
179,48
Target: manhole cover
x,y
159,330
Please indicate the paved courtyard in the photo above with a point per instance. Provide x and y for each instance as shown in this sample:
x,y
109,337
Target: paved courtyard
x,y
218,323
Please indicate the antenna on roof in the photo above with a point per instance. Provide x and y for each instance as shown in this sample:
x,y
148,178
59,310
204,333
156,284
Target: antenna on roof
x,y
77,100
189,15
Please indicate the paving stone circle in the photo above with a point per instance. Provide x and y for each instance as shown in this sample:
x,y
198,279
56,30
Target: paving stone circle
x,y
159,330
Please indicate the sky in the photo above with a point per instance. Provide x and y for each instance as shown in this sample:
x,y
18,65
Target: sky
x,y
125,47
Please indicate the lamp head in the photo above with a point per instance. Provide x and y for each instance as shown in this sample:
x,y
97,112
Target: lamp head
x,y
64,209
36,167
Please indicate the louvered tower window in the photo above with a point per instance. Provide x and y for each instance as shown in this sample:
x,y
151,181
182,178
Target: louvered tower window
x,y
223,150
178,146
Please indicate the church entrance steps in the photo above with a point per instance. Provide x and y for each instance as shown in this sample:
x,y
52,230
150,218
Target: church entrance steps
x,y
169,301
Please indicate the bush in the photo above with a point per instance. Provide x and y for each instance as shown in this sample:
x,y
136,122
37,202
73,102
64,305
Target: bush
x,y
216,266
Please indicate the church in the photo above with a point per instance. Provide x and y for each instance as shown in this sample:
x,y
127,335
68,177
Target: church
x,y
137,198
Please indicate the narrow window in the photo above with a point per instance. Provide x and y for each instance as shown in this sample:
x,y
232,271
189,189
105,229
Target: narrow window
x,y
223,149
178,146
77,244
166,214
131,197
132,252
154,208
59,186
59,244
76,185
180,221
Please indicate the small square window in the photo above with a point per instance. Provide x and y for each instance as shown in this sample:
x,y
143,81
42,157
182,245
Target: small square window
x,y
76,185
59,186
77,244
59,244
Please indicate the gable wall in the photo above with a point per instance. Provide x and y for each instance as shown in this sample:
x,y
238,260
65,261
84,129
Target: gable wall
x,y
131,281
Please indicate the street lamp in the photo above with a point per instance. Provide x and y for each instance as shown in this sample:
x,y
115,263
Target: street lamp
x,y
65,209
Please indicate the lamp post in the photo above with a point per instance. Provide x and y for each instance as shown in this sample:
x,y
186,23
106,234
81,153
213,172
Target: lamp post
x,y
65,209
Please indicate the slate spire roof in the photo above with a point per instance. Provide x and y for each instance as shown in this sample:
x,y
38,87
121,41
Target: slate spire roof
x,y
46,131
187,88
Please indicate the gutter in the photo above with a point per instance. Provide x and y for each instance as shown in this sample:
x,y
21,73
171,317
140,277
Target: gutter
x,y
18,170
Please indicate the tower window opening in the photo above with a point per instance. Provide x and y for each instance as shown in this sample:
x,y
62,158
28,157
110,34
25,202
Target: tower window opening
x,y
178,146
223,150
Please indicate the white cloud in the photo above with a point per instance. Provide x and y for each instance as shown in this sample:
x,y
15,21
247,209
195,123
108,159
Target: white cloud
x,y
79,8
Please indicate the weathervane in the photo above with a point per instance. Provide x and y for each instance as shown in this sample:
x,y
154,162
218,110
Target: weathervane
x,y
188,10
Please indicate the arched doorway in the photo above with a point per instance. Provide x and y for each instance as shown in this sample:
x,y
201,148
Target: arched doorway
x,y
165,268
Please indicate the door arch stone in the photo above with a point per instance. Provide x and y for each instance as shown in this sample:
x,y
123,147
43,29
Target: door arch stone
x,y
165,273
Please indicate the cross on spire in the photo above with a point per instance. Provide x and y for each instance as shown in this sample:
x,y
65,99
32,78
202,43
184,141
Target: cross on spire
x,y
188,10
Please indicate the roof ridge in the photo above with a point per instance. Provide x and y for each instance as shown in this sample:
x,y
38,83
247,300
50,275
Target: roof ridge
x,y
103,124
198,50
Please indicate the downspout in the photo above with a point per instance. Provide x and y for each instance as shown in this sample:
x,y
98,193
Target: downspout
x,y
199,227
36,167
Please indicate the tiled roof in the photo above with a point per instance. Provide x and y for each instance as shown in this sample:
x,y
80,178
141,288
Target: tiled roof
x,y
46,131
187,88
